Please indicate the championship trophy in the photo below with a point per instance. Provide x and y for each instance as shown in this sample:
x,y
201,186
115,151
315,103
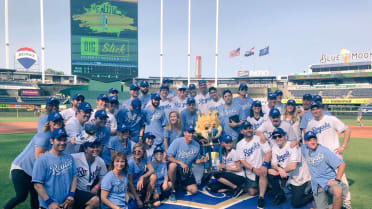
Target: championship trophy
x,y
208,130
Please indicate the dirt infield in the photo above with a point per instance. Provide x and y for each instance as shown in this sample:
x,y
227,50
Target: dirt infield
x,y
21,127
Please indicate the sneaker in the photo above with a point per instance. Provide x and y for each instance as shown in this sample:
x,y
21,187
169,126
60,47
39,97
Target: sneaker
x,y
237,192
172,197
261,203
279,199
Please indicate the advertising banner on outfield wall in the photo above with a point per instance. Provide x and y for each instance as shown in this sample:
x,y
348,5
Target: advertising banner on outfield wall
x,y
338,101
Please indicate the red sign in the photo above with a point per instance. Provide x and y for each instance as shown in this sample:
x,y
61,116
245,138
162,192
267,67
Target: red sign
x,y
30,92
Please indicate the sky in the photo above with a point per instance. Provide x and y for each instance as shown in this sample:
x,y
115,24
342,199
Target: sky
x,y
297,32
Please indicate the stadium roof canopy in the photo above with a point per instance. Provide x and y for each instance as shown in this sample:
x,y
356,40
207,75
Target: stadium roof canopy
x,y
340,65
3,70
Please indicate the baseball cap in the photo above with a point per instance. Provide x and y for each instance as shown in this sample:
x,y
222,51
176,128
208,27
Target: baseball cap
x,y
163,86
181,87
76,96
190,100
90,144
122,127
309,134
158,149
307,97
315,104
54,116
166,80
190,129
226,91
279,131
113,99
256,103
85,106
192,86
212,88
148,135
202,82
278,91
102,97
101,114
134,87
274,113
155,96
112,90
317,98
58,132
136,105
243,86
245,125
52,101
291,102
144,84
227,138
271,96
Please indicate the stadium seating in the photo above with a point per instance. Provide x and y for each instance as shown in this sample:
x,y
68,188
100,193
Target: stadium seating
x,y
299,93
335,93
362,93
36,100
8,100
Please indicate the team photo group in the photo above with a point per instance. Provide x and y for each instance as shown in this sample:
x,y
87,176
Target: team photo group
x,y
144,151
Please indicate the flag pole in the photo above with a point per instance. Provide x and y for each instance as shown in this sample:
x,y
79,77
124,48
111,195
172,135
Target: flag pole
x,y
7,61
188,44
216,54
161,41
42,41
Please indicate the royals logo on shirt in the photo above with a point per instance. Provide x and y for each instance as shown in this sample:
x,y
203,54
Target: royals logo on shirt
x,y
320,129
282,158
316,159
59,169
248,152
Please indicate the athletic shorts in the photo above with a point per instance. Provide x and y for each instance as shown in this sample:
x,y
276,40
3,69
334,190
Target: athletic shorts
x,y
185,178
232,177
81,198
321,199
252,184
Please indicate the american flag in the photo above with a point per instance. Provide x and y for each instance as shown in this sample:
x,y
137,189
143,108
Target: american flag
x,y
249,53
235,53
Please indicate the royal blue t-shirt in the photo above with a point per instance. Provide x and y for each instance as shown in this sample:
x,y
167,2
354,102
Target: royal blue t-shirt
x,y
133,121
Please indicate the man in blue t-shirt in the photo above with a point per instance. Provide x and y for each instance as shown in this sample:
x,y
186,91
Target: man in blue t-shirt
x,y
144,96
51,105
54,174
189,116
134,92
308,116
181,154
243,100
326,170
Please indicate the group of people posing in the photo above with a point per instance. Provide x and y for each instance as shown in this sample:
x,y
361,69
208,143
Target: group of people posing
x,y
136,153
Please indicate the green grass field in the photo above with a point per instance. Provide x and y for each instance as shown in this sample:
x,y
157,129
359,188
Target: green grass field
x,y
356,156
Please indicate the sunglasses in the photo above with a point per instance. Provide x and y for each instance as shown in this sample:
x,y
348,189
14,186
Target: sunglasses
x,y
137,151
277,136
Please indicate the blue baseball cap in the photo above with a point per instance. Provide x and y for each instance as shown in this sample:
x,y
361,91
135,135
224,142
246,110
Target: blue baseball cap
x,y
90,144
136,105
226,91
192,86
227,139
279,131
85,106
278,91
52,101
100,114
274,113
149,135
256,103
134,87
54,116
102,97
163,86
166,80
291,102
122,127
202,82
309,134
155,96
57,133
113,99
307,97
271,96
77,96
190,129
243,86
317,98
144,84
245,125
158,149
190,100
315,104
112,90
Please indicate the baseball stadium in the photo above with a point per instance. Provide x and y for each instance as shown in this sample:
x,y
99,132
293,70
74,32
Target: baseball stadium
x,y
104,68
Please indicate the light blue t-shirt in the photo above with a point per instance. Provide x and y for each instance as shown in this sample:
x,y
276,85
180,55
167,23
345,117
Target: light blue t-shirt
x,y
103,135
26,158
144,100
133,121
126,103
41,122
189,119
187,153
155,121
116,145
224,113
55,173
116,189
244,104
322,164
178,104
309,116
160,171
136,170
172,134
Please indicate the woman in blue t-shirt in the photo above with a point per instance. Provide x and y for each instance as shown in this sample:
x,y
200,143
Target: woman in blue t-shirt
x,y
114,183
173,130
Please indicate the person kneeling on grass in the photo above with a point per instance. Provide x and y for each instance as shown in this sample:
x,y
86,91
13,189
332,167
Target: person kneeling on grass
x,y
230,177
160,169
287,164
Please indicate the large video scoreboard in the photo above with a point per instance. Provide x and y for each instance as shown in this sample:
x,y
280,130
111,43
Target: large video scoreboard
x,y
104,39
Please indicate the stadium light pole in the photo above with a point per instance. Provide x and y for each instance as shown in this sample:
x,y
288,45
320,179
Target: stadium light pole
x,y
216,58
42,41
7,61
161,41
188,44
